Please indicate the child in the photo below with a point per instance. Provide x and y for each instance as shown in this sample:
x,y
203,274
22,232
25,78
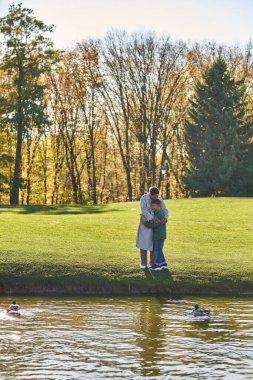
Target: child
x,y
159,234
13,306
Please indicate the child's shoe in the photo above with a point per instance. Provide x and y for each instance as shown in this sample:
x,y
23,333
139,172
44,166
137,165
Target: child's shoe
x,y
143,266
164,266
155,267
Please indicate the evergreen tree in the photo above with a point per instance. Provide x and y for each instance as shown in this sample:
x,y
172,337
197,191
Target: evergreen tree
x,y
217,136
27,55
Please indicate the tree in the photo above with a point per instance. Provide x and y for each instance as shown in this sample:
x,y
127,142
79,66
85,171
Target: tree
x,y
142,78
5,159
155,67
66,114
113,88
84,63
27,55
215,134
118,109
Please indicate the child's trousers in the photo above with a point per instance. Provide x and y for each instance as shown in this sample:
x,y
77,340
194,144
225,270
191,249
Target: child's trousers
x,y
158,251
144,259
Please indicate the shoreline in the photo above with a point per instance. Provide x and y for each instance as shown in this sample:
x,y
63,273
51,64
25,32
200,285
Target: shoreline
x,y
109,289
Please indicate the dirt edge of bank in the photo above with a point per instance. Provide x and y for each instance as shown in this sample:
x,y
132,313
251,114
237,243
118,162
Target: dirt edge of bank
x,y
110,289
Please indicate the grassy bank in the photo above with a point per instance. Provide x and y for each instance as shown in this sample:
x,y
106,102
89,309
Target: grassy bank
x,y
91,250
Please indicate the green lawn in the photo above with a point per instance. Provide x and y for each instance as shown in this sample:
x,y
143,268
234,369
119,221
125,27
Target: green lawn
x,y
209,246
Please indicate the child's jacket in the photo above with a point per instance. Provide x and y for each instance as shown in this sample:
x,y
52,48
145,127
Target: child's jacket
x,y
159,230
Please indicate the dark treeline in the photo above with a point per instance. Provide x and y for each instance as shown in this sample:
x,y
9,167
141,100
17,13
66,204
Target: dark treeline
x,y
104,121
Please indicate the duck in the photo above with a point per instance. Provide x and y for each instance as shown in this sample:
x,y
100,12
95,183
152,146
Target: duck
x,y
197,312
13,313
14,309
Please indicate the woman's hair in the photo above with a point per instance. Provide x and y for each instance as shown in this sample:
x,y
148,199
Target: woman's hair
x,y
153,190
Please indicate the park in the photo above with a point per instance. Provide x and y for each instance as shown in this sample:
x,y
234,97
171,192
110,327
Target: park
x,y
126,189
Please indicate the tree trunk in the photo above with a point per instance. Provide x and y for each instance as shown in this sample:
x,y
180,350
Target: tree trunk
x,y
44,165
153,154
28,172
167,188
104,168
55,193
17,170
93,163
129,184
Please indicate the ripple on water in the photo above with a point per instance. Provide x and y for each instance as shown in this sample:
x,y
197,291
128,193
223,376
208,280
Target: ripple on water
x,y
133,338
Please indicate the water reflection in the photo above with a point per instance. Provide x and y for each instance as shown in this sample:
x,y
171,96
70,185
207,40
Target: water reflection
x,y
133,338
149,326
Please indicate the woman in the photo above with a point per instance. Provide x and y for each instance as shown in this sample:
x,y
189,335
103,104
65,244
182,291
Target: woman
x,y
145,235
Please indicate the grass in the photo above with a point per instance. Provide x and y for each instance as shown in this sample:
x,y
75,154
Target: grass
x,y
89,249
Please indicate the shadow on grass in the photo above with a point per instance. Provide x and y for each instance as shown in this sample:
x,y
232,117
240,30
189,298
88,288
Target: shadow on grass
x,y
59,210
164,276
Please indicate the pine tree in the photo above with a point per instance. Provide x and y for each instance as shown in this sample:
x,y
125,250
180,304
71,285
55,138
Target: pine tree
x,y
217,136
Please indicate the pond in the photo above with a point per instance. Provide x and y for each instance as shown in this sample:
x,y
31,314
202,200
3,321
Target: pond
x,y
127,338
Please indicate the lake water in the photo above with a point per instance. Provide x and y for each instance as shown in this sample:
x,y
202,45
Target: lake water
x,y
127,338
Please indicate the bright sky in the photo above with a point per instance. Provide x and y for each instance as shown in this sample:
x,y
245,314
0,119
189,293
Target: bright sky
x,y
226,21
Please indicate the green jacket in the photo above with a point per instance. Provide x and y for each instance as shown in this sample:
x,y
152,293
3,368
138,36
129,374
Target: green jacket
x,y
159,230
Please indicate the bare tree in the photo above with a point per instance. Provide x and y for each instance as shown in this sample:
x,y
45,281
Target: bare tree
x,y
66,111
84,62
113,85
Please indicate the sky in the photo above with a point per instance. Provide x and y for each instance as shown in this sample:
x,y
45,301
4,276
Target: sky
x,y
224,21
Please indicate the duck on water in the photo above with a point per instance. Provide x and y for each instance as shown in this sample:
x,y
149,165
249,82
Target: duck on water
x,y
197,312
14,309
